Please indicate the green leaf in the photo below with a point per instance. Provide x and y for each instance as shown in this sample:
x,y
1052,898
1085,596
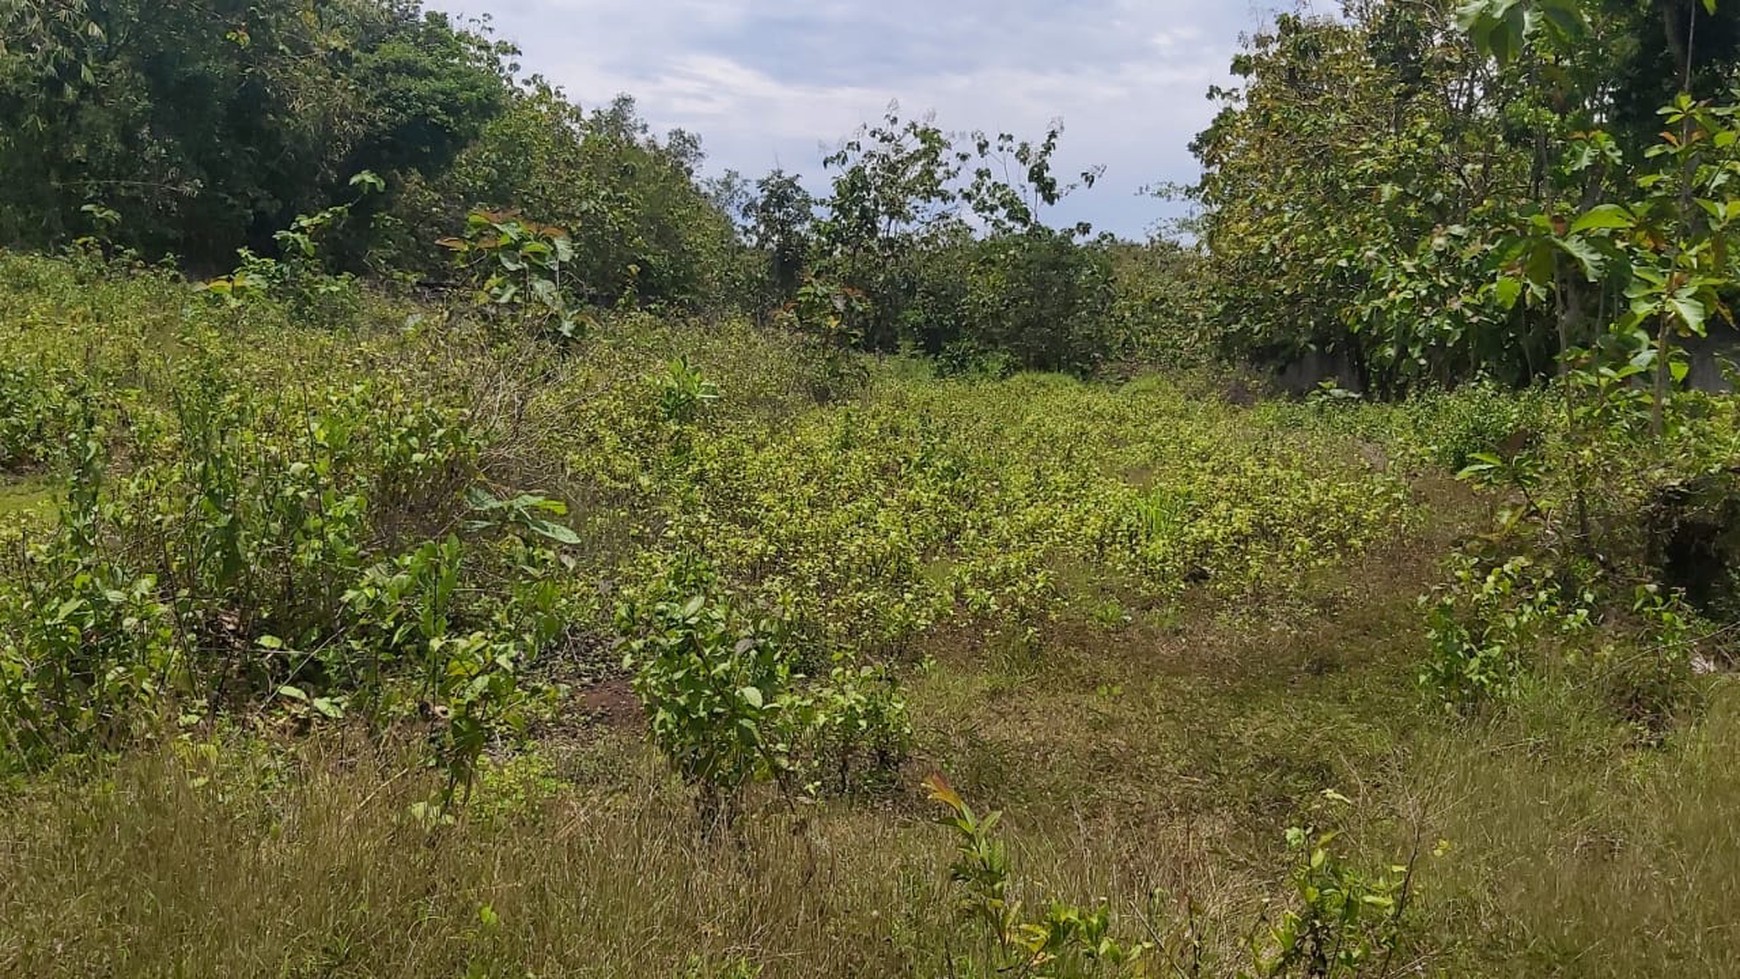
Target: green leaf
x,y
293,693
1568,22
369,181
552,530
1469,14
1603,217
1507,290
482,499
545,504
751,696
1690,311
1587,255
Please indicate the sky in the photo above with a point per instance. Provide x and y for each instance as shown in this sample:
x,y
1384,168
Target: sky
x,y
779,83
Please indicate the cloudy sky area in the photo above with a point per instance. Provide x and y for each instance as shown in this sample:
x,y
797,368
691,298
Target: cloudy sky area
x,y
770,83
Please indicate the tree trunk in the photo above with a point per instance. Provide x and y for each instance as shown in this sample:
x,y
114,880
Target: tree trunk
x,y
1663,354
1673,21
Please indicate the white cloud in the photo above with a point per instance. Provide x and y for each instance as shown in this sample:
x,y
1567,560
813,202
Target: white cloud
x,y
767,82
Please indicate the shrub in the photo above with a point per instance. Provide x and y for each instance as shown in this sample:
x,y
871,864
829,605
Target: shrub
x,y
1485,625
87,646
1342,922
728,705
716,685
1066,942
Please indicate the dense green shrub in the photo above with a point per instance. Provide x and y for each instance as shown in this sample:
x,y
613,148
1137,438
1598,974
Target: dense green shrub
x,y
206,128
730,700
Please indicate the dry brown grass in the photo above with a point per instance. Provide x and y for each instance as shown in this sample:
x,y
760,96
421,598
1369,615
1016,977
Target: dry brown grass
x,y
249,863
1574,854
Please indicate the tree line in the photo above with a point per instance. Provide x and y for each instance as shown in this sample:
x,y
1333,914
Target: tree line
x,y
1435,190
195,128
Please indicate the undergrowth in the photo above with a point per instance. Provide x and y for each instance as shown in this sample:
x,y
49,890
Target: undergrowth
x,y
628,651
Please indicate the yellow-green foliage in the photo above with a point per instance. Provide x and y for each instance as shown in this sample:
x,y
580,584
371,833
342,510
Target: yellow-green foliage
x,y
929,501
870,519
248,476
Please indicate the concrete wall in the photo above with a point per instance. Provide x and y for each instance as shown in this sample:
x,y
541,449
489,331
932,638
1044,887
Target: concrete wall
x,y
1303,375
1711,357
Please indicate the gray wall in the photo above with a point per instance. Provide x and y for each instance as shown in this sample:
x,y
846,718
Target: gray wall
x,y
1711,357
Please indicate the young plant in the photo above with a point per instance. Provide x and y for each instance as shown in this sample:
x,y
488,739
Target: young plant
x,y
1066,942
298,275
1485,626
523,266
1342,922
716,683
684,392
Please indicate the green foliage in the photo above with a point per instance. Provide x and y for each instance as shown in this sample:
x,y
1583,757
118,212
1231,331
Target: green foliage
x,y
1343,922
407,612
295,506
203,133
1648,682
1369,177
1486,624
964,503
898,233
1501,28
641,230
1338,921
1524,230
1040,299
1432,238
34,408
684,392
208,127
1066,942
1159,316
525,510
832,316
729,704
87,648
779,223
518,267
1451,428
300,278
716,683
282,545
856,732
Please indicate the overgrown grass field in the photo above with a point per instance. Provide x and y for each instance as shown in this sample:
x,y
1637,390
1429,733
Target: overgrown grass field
x,y
405,645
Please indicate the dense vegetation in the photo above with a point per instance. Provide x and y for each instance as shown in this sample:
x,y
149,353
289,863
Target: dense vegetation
x,y
442,533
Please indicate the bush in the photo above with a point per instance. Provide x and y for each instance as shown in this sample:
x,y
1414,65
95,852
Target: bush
x,y
1486,626
728,704
1450,428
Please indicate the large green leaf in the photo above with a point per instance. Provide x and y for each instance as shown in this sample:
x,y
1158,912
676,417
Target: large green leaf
x,y
1690,311
551,530
1603,217
1587,255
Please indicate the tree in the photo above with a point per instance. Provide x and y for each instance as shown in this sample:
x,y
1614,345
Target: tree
x,y
208,126
781,223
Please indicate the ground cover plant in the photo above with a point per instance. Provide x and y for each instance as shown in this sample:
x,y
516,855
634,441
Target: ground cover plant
x,y
498,552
